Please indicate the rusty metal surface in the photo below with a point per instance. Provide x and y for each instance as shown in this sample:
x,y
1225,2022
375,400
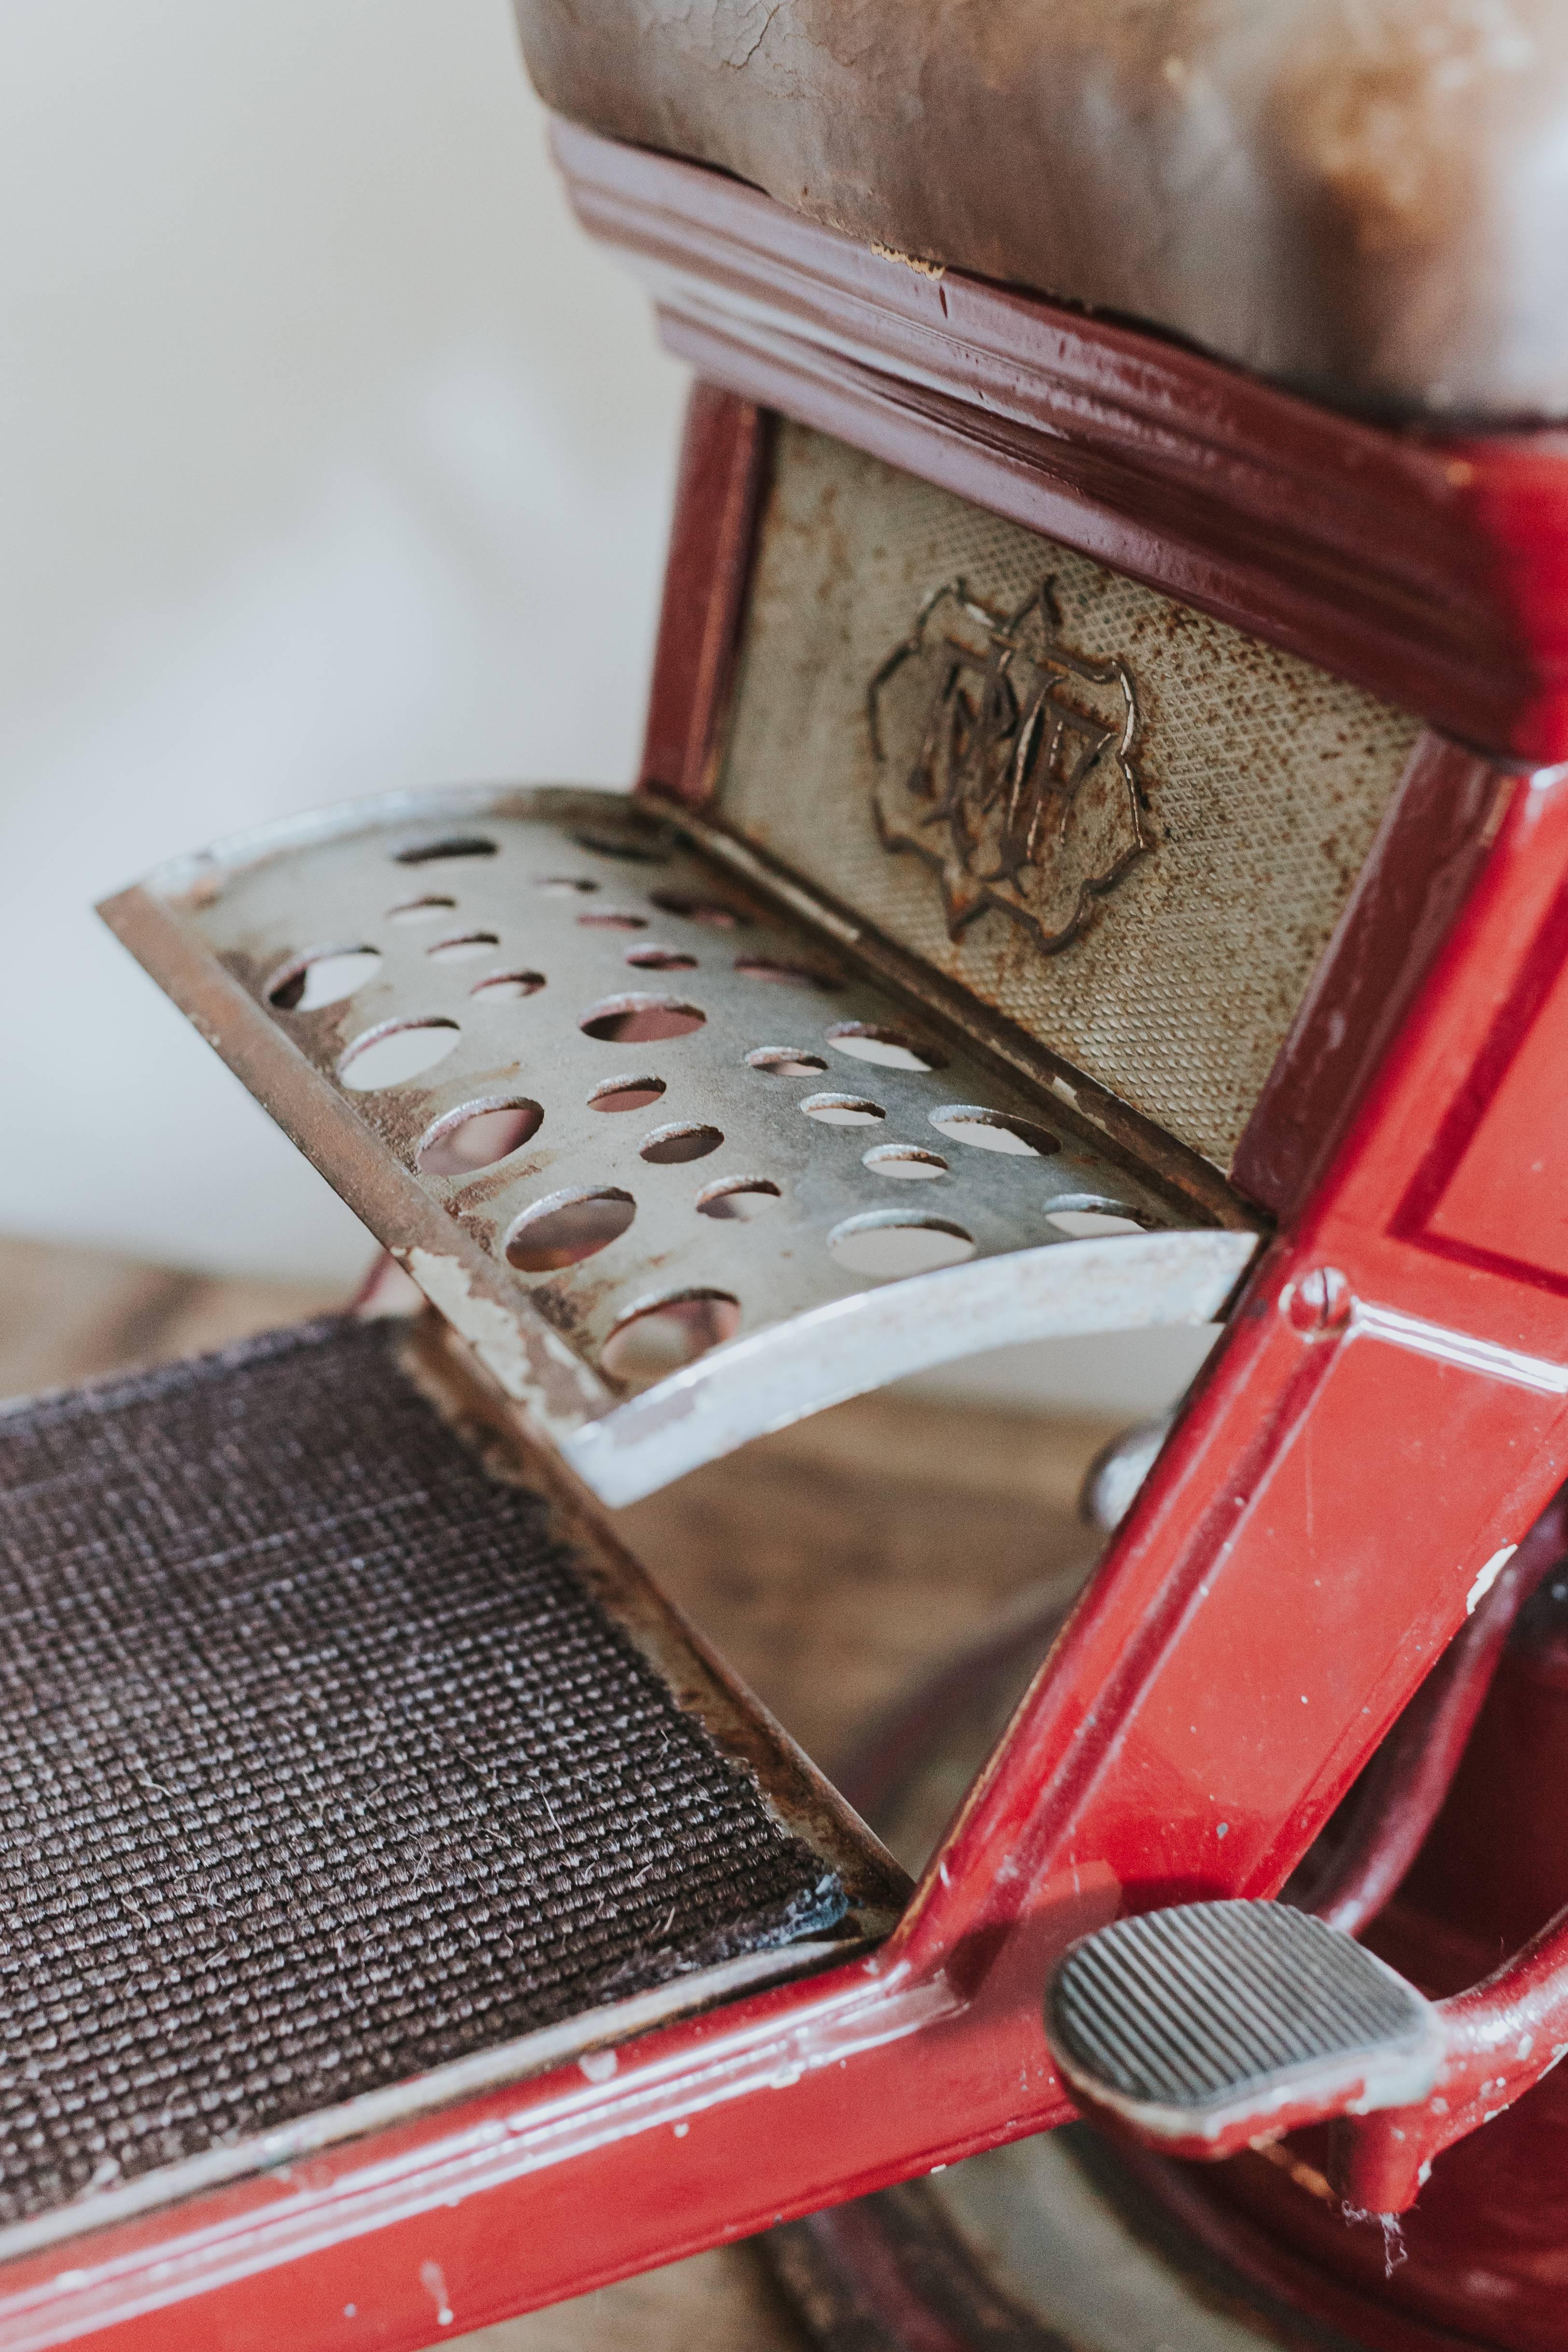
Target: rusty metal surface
x,y
890,2274
1042,2246
794,1137
1190,1184
1216,866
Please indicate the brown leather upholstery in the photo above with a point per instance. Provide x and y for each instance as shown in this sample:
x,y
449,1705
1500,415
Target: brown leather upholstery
x,y
1365,198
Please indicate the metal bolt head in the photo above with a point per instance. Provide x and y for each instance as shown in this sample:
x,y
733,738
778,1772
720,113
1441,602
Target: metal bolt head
x,y
1319,1303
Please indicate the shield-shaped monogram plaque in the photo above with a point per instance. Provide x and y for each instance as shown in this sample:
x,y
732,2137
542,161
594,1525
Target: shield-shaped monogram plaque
x,y
1008,760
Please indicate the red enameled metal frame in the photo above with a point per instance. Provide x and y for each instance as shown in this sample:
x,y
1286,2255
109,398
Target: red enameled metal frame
x,y
1511,2029
1430,567
1385,1414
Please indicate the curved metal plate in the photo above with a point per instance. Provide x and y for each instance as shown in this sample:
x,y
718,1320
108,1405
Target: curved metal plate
x,y
618,1113
778,1376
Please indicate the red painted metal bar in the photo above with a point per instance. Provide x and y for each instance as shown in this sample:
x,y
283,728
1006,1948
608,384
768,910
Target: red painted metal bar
x,y
1403,1791
1385,1417
722,459
1430,567
1502,2037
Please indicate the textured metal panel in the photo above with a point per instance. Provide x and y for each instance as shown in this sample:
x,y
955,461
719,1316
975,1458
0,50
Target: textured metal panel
x,y
635,1117
1263,780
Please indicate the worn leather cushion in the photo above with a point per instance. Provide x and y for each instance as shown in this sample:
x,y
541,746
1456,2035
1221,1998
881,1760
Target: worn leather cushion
x,y
1361,197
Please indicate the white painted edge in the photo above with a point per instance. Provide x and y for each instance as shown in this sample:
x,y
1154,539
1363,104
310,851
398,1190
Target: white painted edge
x,y
760,2055
1127,1281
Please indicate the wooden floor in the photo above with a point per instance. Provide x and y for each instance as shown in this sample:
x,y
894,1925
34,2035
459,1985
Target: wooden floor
x,y
835,1565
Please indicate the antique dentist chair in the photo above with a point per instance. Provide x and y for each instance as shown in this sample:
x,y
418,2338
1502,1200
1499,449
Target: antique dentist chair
x,y
1100,860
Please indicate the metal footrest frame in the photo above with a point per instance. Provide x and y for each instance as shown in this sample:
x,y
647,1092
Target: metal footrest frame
x,y
1384,1420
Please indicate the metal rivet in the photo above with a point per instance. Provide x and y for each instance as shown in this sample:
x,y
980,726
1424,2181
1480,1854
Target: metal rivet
x,y
1321,1302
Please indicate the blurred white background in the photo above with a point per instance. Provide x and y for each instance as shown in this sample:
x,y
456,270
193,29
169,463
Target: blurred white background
x,y
335,459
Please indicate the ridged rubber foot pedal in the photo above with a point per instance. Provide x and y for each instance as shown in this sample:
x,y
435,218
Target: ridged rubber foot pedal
x,y
1216,2026
657,1146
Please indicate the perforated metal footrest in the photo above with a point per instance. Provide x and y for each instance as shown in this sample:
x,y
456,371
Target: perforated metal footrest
x,y
341,1775
1215,2025
654,1145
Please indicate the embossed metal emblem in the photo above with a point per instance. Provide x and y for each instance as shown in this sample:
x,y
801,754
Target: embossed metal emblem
x,y
1006,760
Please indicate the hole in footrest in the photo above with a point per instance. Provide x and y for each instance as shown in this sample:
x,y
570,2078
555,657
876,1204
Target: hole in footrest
x,y
568,1227
668,1334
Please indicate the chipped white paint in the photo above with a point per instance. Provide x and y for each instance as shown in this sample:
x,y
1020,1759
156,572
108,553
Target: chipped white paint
x,y
495,1336
598,2065
379,2194
1487,1576
435,2285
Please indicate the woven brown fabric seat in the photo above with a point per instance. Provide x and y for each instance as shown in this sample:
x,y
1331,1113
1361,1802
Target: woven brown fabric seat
x,y
1356,196
319,1766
